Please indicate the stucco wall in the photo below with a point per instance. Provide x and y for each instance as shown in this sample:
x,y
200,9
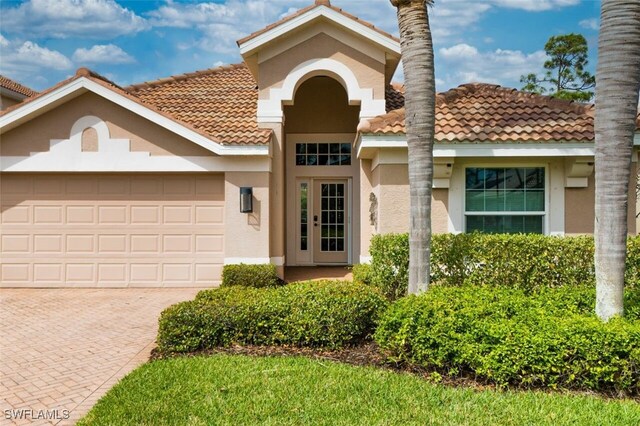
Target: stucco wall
x,y
34,136
394,202
439,211
247,234
368,71
277,193
367,229
580,202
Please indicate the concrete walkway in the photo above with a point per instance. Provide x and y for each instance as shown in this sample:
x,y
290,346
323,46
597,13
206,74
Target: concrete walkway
x,y
304,273
62,349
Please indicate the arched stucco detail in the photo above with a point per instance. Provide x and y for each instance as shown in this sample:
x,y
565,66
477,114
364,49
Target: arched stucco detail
x,y
89,121
115,155
270,110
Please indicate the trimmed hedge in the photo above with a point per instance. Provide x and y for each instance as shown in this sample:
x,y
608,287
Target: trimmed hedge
x,y
257,276
548,338
316,313
524,261
361,273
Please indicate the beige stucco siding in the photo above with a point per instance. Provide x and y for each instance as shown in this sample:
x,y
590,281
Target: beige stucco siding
x,y
440,211
367,227
393,199
34,136
580,207
111,230
247,234
368,71
394,202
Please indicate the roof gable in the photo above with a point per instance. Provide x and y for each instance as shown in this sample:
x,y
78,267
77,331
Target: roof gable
x,y
86,81
322,9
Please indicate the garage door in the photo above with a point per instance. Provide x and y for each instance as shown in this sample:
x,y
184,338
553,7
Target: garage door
x,y
111,230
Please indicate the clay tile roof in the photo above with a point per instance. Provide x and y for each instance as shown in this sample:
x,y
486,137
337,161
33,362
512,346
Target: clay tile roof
x,y
479,112
7,83
220,102
394,96
97,78
318,3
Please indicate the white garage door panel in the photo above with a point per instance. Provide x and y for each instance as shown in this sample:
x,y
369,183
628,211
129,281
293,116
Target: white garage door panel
x,y
111,231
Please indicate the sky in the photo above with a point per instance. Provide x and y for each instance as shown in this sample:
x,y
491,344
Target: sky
x,y
44,41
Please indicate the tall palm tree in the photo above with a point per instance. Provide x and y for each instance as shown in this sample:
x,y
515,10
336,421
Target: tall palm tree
x,y
420,106
617,86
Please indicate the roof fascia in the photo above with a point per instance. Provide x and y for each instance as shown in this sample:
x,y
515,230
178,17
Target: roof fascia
x,y
248,47
369,144
85,84
12,94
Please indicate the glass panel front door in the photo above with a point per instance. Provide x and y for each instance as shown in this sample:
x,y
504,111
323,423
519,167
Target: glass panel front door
x,y
330,221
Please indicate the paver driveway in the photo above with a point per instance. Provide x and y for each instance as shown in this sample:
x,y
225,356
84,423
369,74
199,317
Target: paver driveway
x,y
62,349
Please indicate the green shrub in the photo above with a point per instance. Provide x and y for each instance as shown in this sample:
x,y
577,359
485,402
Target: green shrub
x,y
316,313
547,338
361,273
257,276
390,264
520,261
632,271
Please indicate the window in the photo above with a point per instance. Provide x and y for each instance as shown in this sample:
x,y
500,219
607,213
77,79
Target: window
x,y
505,200
323,154
304,225
333,217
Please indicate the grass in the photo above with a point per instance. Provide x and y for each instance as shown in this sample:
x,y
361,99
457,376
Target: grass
x,y
241,390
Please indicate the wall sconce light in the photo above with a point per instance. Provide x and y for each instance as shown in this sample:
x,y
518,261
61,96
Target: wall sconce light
x,y
246,199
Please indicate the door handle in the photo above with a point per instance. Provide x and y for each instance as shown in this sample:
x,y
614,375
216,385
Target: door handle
x,y
315,220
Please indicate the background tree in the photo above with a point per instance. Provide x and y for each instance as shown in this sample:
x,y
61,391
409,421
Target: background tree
x,y
420,110
566,77
618,83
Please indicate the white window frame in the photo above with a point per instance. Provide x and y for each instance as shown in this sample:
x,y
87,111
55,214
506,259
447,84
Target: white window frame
x,y
295,155
547,194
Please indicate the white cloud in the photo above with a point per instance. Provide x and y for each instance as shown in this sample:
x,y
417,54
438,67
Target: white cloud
x,y
460,51
590,24
28,60
449,18
534,5
71,18
463,63
219,24
102,53
31,53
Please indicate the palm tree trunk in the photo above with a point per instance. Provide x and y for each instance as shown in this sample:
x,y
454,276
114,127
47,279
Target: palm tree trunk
x,y
617,85
420,99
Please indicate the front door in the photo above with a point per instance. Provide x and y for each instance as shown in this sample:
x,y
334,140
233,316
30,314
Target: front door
x,y
330,221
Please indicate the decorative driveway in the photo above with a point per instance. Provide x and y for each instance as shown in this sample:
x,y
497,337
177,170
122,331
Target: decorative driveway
x,y
62,349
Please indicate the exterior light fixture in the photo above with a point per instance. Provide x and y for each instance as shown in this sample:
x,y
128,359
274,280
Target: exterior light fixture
x,y
246,200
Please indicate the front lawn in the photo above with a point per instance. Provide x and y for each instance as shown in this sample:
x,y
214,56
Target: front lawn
x,y
238,390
